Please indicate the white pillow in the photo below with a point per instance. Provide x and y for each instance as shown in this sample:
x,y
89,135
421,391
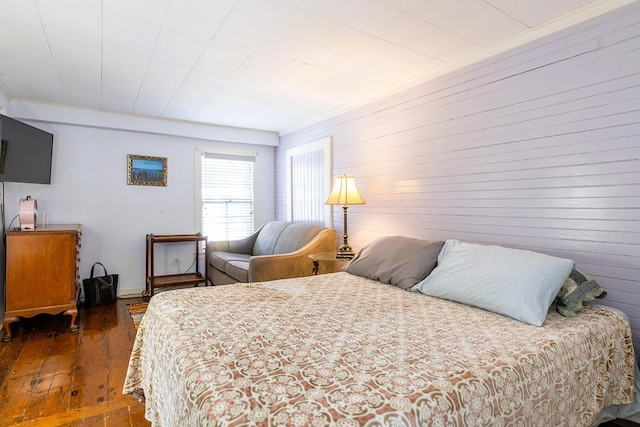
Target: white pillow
x,y
516,283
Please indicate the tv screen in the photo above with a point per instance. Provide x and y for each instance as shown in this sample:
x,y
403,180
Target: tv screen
x,y
25,153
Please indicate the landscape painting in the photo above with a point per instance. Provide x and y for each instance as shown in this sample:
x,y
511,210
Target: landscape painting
x,y
146,170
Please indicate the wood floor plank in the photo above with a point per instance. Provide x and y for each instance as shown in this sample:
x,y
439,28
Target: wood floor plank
x,y
118,417
95,421
25,382
91,373
9,353
118,349
136,413
41,336
83,416
51,394
51,377
16,395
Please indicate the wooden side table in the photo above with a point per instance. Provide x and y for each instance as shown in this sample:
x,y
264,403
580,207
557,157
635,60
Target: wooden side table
x,y
334,264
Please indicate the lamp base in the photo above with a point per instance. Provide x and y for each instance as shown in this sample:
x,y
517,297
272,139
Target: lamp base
x,y
345,251
345,255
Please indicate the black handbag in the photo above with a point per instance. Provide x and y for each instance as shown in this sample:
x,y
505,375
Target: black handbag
x,y
100,290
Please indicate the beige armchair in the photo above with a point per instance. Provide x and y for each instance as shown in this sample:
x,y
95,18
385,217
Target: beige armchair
x,y
278,250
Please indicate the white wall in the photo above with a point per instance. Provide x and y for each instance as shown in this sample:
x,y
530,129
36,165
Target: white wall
x,y
535,148
4,103
89,187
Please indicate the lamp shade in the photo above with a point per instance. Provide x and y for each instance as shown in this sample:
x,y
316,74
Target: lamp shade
x,y
345,192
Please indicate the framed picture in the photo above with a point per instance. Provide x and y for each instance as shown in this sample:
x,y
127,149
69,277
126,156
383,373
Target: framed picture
x,y
146,170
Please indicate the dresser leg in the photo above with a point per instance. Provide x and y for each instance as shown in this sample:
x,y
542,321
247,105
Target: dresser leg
x,y
73,313
7,329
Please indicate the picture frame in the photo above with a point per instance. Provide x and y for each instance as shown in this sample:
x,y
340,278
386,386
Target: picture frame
x,y
146,170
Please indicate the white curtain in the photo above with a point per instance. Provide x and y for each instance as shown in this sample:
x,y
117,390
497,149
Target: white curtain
x,y
308,182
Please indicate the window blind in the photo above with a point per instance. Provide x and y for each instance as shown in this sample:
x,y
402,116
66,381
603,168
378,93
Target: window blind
x,y
227,196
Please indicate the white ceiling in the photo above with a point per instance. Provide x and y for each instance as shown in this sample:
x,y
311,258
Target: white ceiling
x,y
262,64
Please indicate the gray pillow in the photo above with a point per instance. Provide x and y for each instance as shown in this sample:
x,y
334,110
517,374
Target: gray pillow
x,y
397,260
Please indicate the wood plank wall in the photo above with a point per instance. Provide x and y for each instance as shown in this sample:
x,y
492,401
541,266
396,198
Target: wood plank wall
x,y
537,148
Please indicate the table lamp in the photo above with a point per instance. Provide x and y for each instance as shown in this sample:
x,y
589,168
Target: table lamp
x,y
345,193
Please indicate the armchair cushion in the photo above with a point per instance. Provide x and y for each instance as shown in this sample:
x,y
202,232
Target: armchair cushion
x,y
268,237
220,260
239,270
294,237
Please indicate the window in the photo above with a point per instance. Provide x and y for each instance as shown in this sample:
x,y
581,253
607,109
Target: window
x,y
227,196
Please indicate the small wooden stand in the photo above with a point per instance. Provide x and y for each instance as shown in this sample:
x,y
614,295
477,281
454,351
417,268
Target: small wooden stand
x,y
154,281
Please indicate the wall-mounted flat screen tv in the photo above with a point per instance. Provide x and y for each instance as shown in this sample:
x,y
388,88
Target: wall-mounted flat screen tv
x,y
25,153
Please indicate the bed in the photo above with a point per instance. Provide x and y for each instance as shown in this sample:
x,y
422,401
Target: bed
x,y
347,350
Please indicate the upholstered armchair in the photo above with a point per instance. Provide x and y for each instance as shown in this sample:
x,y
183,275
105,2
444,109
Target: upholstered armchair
x,y
278,250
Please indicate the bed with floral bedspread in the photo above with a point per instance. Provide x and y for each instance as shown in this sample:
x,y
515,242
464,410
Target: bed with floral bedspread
x,y
344,350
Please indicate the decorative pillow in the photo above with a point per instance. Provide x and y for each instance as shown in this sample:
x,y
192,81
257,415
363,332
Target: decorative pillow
x,y
397,260
578,288
516,283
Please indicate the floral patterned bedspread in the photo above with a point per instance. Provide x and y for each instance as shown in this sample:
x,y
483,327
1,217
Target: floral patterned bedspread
x,y
338,349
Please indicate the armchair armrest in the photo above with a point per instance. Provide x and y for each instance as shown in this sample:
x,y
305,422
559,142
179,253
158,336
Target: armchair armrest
x,y
292,264
239,246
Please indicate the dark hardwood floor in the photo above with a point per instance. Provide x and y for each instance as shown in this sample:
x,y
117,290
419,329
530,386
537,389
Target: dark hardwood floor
x,y
52,377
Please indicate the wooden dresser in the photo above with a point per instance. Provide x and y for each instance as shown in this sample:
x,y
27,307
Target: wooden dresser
x,y
42,273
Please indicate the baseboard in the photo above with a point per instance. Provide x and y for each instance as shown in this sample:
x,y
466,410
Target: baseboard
x,y
130,293
137,292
